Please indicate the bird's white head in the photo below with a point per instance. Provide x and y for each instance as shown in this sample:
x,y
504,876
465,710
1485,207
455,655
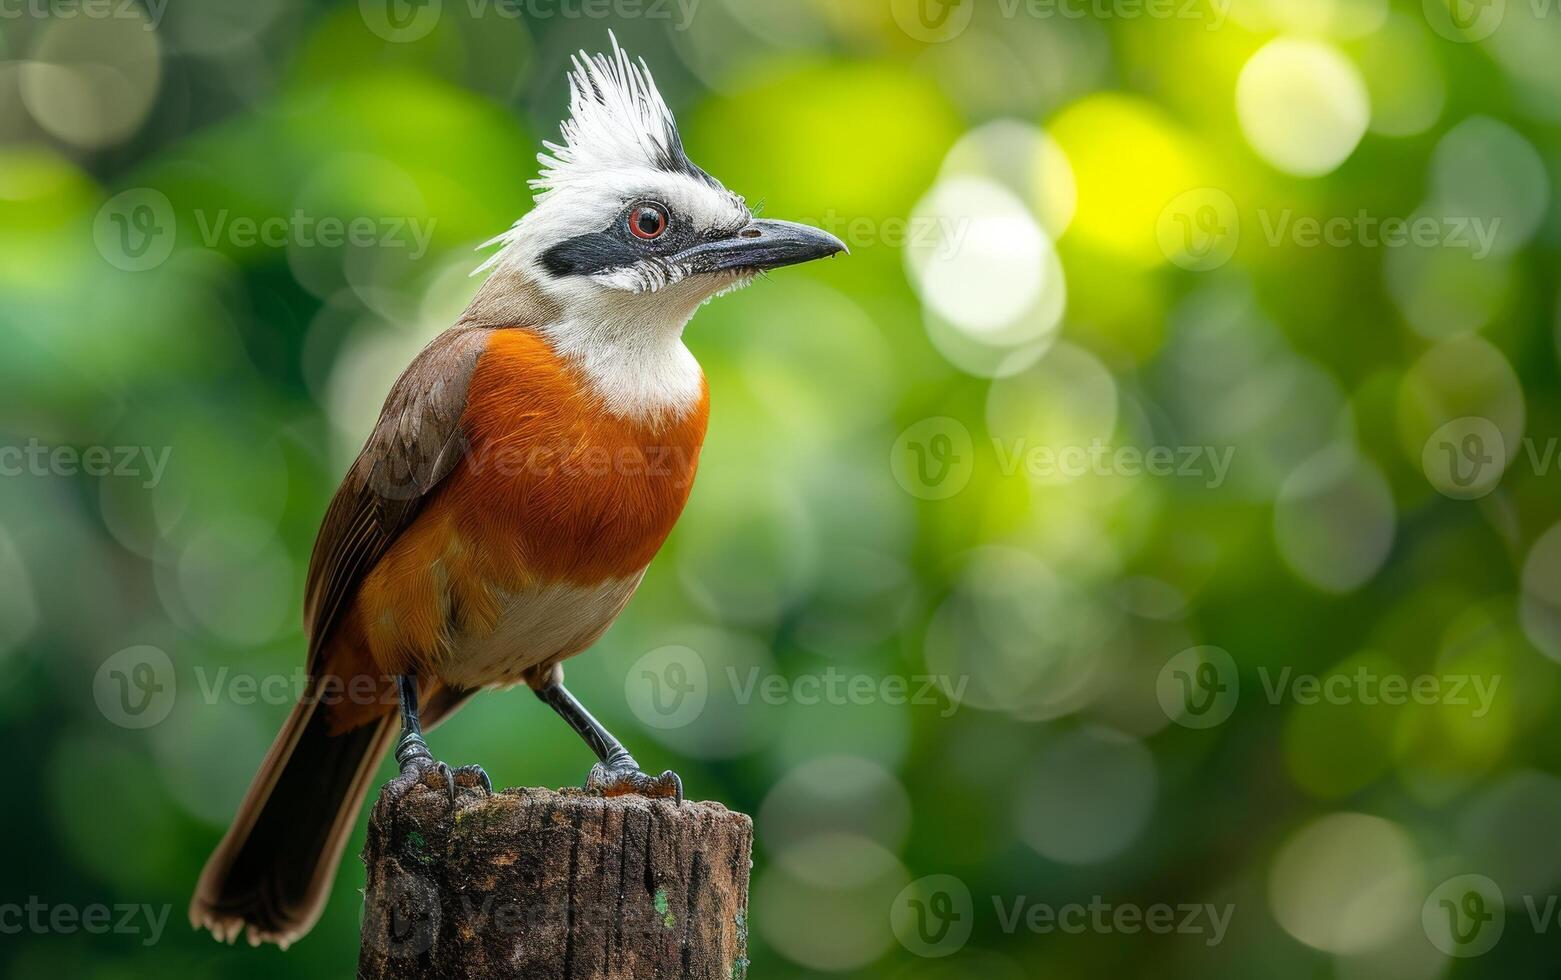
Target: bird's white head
x,y
625,223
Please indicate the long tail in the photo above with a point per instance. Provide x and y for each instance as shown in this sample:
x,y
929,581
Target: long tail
x,y
272,873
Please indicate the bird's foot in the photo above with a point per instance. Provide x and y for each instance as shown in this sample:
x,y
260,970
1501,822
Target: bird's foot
x,y
420,768
622,777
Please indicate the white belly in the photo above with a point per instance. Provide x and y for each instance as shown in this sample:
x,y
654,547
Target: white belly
x,y
539,626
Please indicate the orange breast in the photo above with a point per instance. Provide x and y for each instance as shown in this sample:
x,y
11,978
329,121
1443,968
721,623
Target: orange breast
x,y
553,492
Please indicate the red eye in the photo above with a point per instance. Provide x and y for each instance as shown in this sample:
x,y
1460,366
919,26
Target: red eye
x,y
648,221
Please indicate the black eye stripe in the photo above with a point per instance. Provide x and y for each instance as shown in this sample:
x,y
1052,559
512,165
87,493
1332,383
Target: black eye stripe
x,y
617,246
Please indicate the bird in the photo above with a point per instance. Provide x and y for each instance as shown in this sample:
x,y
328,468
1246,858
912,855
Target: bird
x,y
523,472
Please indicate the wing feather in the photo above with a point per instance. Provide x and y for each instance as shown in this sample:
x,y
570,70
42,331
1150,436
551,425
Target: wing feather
x,y
416,443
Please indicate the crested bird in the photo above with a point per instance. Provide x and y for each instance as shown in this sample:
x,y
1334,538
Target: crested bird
x,y
523,472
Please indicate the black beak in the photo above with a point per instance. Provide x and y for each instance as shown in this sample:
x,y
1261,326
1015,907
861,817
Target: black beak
x,y
763,245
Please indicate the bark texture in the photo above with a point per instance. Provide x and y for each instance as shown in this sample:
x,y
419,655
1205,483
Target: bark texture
x,y
542,885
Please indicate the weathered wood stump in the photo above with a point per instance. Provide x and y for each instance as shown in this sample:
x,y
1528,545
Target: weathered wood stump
x,y
535,884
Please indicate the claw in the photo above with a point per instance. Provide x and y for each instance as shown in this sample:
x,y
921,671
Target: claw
x,y
474,777
444,770
418,766
626,780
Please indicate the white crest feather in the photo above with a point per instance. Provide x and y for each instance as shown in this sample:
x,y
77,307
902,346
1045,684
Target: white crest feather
x,y
617,121
621,138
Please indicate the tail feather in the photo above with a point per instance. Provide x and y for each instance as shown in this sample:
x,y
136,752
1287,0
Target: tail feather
x,y
272,873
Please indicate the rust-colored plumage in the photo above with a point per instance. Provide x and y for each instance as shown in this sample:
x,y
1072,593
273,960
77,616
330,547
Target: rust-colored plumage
x,y
497,520
551,492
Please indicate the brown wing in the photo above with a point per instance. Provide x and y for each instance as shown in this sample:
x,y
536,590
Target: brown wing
x,y
415,444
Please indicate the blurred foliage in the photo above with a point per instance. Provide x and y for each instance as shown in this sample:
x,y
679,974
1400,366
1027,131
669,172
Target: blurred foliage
x,y
1077,228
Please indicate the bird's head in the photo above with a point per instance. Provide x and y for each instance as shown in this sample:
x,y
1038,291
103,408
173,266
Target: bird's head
x,y
625,224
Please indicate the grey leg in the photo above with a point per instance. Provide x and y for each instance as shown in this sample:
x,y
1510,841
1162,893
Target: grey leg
x,y
617,774
412,753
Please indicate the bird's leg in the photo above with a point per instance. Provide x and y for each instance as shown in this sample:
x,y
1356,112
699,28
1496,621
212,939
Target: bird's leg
x,y
617,774
416,762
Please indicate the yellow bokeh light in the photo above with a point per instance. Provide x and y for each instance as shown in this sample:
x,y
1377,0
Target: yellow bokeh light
x,y
1129,160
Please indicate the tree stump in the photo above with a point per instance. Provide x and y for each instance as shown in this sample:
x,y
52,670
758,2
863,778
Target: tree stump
x,y
535,884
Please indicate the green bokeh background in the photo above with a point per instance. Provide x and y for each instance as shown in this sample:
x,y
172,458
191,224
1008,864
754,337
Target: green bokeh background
x,y
1112,175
